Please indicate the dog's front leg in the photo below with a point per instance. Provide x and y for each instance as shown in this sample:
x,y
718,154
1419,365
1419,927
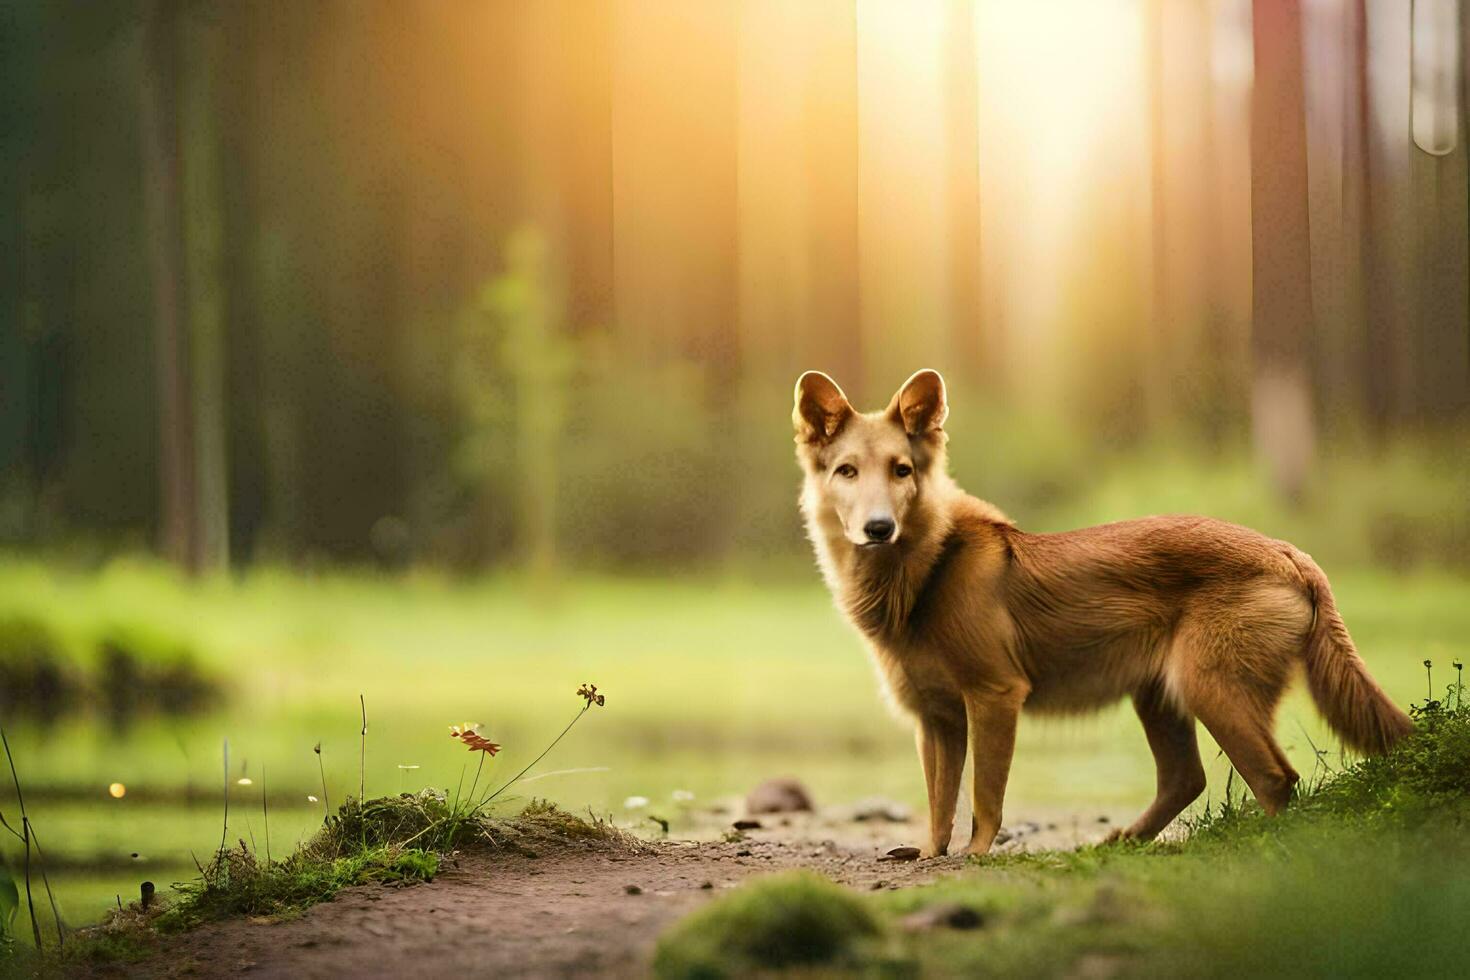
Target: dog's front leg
x,y
941,741
993,716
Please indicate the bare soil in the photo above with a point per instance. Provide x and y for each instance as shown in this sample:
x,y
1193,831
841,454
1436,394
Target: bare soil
x,y
565,913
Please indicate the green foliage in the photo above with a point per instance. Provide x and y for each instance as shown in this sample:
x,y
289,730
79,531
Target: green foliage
x,y
787,920
126,669
37,674
141,670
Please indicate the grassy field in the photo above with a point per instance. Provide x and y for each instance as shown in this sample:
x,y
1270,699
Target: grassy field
x,y
712,685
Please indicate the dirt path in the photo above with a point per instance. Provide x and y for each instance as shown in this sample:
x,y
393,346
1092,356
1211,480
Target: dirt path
x,y
568,913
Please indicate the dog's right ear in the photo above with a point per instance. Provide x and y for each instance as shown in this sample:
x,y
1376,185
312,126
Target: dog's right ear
x,y
821,408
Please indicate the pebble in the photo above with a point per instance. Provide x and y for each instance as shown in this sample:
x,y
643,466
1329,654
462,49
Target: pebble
x,y
901,854
633,889
779,796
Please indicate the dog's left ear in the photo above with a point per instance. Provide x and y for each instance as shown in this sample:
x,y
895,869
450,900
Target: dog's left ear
x,y
920,405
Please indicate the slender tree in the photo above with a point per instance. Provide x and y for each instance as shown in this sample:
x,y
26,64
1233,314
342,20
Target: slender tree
x,y
1281,257
163,198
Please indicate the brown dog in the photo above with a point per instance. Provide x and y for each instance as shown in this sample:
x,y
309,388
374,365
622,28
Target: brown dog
x,y
970,619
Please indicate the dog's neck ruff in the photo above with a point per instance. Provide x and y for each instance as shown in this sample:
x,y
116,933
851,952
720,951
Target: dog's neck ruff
x,y
880,588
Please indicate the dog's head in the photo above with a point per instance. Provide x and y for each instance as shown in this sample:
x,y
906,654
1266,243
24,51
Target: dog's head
x,y
868,469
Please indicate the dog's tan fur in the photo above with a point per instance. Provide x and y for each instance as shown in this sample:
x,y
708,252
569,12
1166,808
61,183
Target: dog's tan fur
x,y
970,619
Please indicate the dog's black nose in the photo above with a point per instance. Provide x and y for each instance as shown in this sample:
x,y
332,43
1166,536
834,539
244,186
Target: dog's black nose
x,y
878,529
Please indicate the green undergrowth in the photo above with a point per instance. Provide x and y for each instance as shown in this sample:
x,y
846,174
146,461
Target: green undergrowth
x,y
391,840
1363,875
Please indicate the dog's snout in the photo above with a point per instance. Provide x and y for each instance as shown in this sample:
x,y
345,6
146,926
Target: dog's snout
x,y
879,529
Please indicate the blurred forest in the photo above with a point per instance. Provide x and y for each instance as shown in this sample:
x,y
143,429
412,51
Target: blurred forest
x,y
473,284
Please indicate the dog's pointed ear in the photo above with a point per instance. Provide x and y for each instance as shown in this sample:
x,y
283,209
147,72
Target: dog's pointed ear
x,y
920,405
821,408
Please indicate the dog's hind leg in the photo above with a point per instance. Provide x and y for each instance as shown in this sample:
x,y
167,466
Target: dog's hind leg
x,y
1238,715
1235,664
941,742
1181,774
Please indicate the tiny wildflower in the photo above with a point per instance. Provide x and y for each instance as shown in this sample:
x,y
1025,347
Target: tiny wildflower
x,y
588,693
469,735
310,798
244,781
635,803
117,791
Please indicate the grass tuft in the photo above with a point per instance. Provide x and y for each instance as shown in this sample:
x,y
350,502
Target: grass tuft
x,y
388,840
1426,775
787,920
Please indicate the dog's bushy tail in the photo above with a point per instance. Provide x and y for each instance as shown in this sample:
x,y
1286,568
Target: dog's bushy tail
x,y
1346,694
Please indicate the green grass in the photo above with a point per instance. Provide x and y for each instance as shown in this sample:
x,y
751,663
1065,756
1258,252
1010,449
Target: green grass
x,y
1363,876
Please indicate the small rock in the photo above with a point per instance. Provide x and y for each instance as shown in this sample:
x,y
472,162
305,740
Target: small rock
x,y
1103,819
706,886
875,809
747,824
742,854
901,854
779,796
1002,836
945,915
633,889
877,885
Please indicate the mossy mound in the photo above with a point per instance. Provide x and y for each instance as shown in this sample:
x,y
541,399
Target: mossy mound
x,y
787,920
390,839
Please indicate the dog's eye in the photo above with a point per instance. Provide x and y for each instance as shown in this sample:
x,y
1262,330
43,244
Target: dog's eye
x,y
847,470
903,470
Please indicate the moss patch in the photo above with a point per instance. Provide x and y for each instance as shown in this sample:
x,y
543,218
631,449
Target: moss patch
x,y
787,920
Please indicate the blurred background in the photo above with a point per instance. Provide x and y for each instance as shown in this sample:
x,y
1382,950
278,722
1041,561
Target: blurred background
x,y
443,353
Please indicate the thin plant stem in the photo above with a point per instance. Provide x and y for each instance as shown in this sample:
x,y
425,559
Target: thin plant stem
x,y
362,755
362,774
511,781
225,830
475,784
25,826
458,788
50,895
321,767
265,813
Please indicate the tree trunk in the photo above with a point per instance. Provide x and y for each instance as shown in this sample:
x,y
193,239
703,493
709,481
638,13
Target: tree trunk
x,y
163,196
1281,267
